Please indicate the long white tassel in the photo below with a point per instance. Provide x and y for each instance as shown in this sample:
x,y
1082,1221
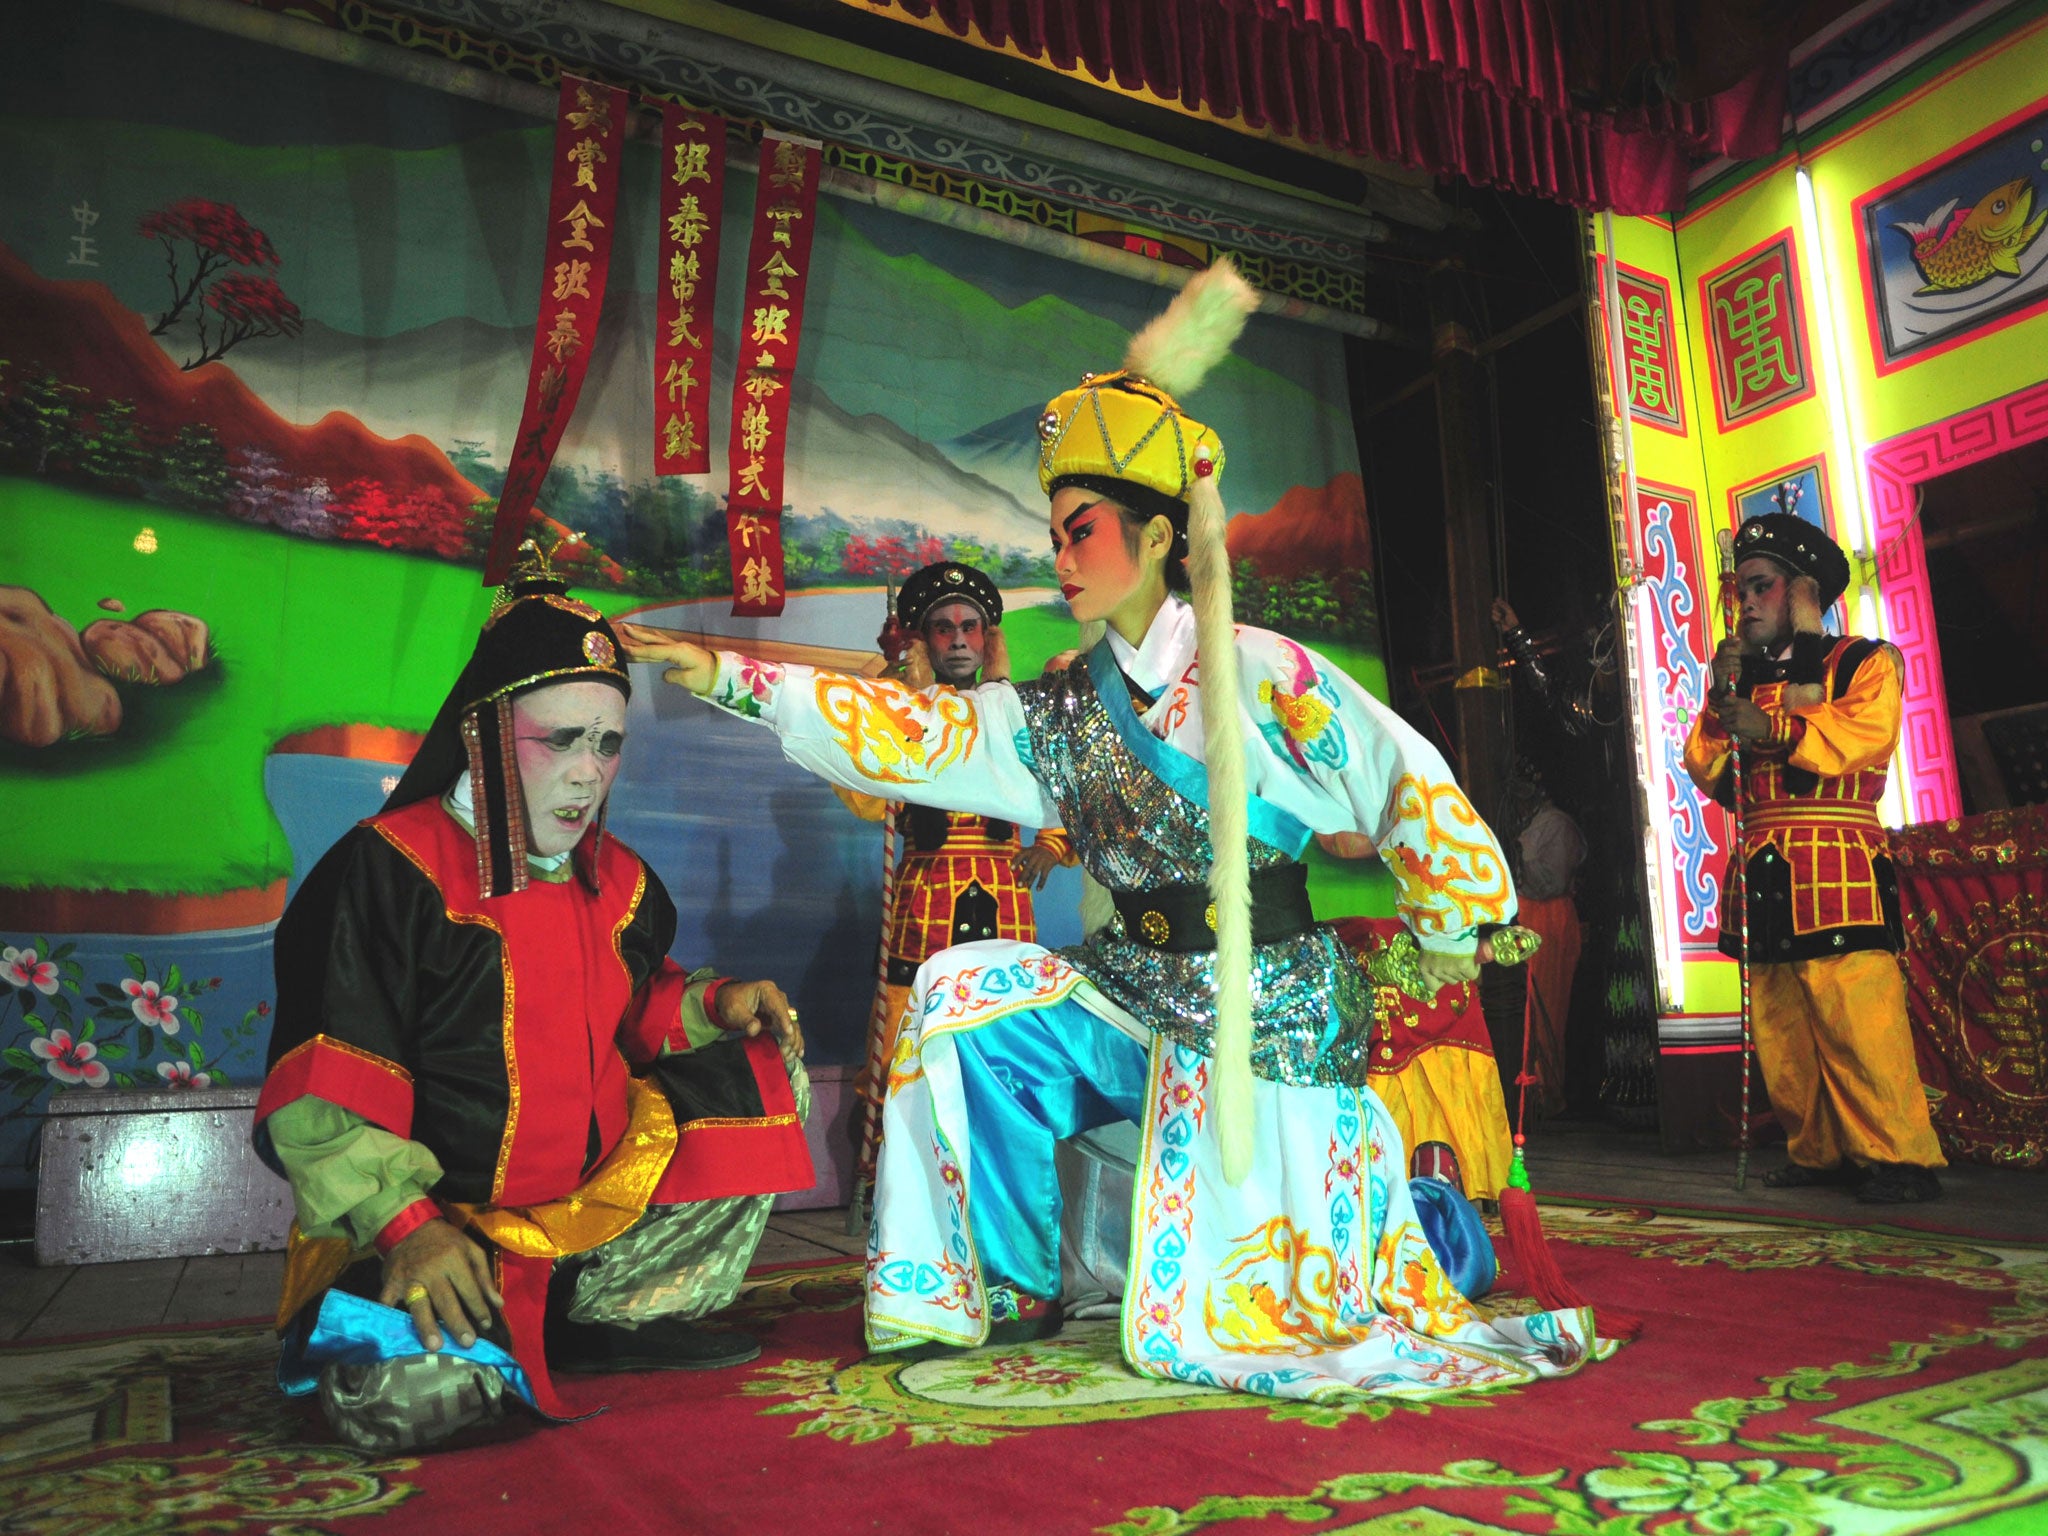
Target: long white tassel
x,y
1229,869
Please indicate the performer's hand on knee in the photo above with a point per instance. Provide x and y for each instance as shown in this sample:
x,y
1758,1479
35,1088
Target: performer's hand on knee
x,y
689,664
443,1278
748,1007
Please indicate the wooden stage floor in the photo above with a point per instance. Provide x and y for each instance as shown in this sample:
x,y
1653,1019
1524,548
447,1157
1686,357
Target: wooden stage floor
x,y
1566,1158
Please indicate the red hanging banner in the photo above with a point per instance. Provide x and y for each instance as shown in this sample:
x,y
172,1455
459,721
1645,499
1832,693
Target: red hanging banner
x,y
590,125
771,324
692,196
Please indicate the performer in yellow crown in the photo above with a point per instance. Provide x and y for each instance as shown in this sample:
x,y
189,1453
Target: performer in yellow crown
x,y
1818,719
1276,1246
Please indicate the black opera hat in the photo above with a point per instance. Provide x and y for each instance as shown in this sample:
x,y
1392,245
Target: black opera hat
x,y
944,582
1799,547
537,635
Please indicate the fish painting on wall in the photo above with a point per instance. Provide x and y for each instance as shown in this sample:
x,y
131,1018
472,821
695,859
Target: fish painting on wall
x,y
1958,246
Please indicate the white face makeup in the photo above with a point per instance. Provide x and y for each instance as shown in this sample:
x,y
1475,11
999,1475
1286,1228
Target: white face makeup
x,y
569,737
957,636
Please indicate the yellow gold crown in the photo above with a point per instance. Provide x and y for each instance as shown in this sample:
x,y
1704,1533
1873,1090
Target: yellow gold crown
x,y
1125,427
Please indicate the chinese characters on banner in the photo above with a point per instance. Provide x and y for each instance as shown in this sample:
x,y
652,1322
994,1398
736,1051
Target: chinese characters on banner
x,y
582,205
1645,360
1756,333
771,322
692,195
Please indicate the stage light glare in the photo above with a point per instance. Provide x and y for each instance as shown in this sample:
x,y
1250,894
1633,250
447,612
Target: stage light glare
x,y
1851,515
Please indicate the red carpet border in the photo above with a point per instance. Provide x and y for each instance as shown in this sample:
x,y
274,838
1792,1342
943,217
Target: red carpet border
x,y
1793,1379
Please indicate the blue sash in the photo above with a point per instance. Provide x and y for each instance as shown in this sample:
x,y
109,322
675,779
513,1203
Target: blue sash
x,y
353,1330
1186,776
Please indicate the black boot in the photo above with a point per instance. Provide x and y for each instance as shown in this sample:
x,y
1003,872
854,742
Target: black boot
x,y
663,1344
1899,1184
1799,1176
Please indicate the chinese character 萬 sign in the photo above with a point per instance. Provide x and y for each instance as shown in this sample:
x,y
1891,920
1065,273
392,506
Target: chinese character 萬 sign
x,y
1644,358
1756,333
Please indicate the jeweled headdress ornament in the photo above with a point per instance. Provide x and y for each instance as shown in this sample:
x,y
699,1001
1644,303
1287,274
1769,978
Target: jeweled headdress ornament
x,y
1798,546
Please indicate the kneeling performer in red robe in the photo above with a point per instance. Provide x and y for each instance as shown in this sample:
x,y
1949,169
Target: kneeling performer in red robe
x,y
518,1135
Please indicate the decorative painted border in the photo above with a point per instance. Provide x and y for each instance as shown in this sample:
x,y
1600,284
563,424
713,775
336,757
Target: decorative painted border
x,y
1801,347
1827,77
1818,463
1869,268
1674,685
1675,423
1895,469
492,34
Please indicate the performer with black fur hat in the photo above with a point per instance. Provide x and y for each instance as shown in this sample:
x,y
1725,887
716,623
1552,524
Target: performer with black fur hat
x,y
953,876
1275,1244
501,1106
1818,719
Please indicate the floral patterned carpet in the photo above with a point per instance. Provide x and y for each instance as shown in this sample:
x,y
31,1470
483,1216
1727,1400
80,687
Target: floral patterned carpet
x,y
1793,1379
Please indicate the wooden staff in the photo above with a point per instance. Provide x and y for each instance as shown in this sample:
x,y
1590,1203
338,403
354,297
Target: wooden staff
x,y
1731,615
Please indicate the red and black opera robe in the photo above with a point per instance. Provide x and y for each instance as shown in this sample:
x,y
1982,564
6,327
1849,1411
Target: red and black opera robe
x,y
520,1040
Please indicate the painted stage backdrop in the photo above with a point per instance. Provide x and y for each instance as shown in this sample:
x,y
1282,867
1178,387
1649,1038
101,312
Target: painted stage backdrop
x,y
264,333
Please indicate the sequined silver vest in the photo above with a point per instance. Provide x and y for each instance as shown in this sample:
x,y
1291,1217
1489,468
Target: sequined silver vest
x,y
1132,831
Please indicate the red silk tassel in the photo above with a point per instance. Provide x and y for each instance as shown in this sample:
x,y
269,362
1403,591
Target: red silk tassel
x,y
1521,1230
1528,1254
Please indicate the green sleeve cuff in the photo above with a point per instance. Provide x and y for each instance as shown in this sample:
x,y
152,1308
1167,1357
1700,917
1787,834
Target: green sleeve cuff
x,y
348,1177
698,1028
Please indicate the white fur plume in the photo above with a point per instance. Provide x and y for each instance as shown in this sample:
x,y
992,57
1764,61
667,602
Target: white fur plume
x,y
1229,825
1195,332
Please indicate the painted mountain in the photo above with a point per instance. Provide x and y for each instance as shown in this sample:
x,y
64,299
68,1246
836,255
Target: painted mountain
x,y
1310,528
472,378
82,335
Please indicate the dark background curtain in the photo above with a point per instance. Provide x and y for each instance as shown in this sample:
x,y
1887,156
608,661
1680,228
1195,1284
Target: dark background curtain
x,y
1601,105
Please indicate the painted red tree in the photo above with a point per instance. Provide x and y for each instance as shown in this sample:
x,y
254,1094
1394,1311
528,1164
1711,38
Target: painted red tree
x,y
243,305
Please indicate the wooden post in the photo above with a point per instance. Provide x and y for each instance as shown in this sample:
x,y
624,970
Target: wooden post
x,y
1466,445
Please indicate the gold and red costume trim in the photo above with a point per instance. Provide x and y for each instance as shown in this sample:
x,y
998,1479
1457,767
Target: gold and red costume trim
x,y
360,1081
930,887
1830,837
1433,1067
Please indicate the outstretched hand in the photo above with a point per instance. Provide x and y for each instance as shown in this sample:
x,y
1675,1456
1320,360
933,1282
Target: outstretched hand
x,y
748,1007
1033,865
689,664
442,1277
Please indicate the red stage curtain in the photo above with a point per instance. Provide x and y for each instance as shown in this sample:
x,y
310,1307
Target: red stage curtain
x,y
1975,896
1478,91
